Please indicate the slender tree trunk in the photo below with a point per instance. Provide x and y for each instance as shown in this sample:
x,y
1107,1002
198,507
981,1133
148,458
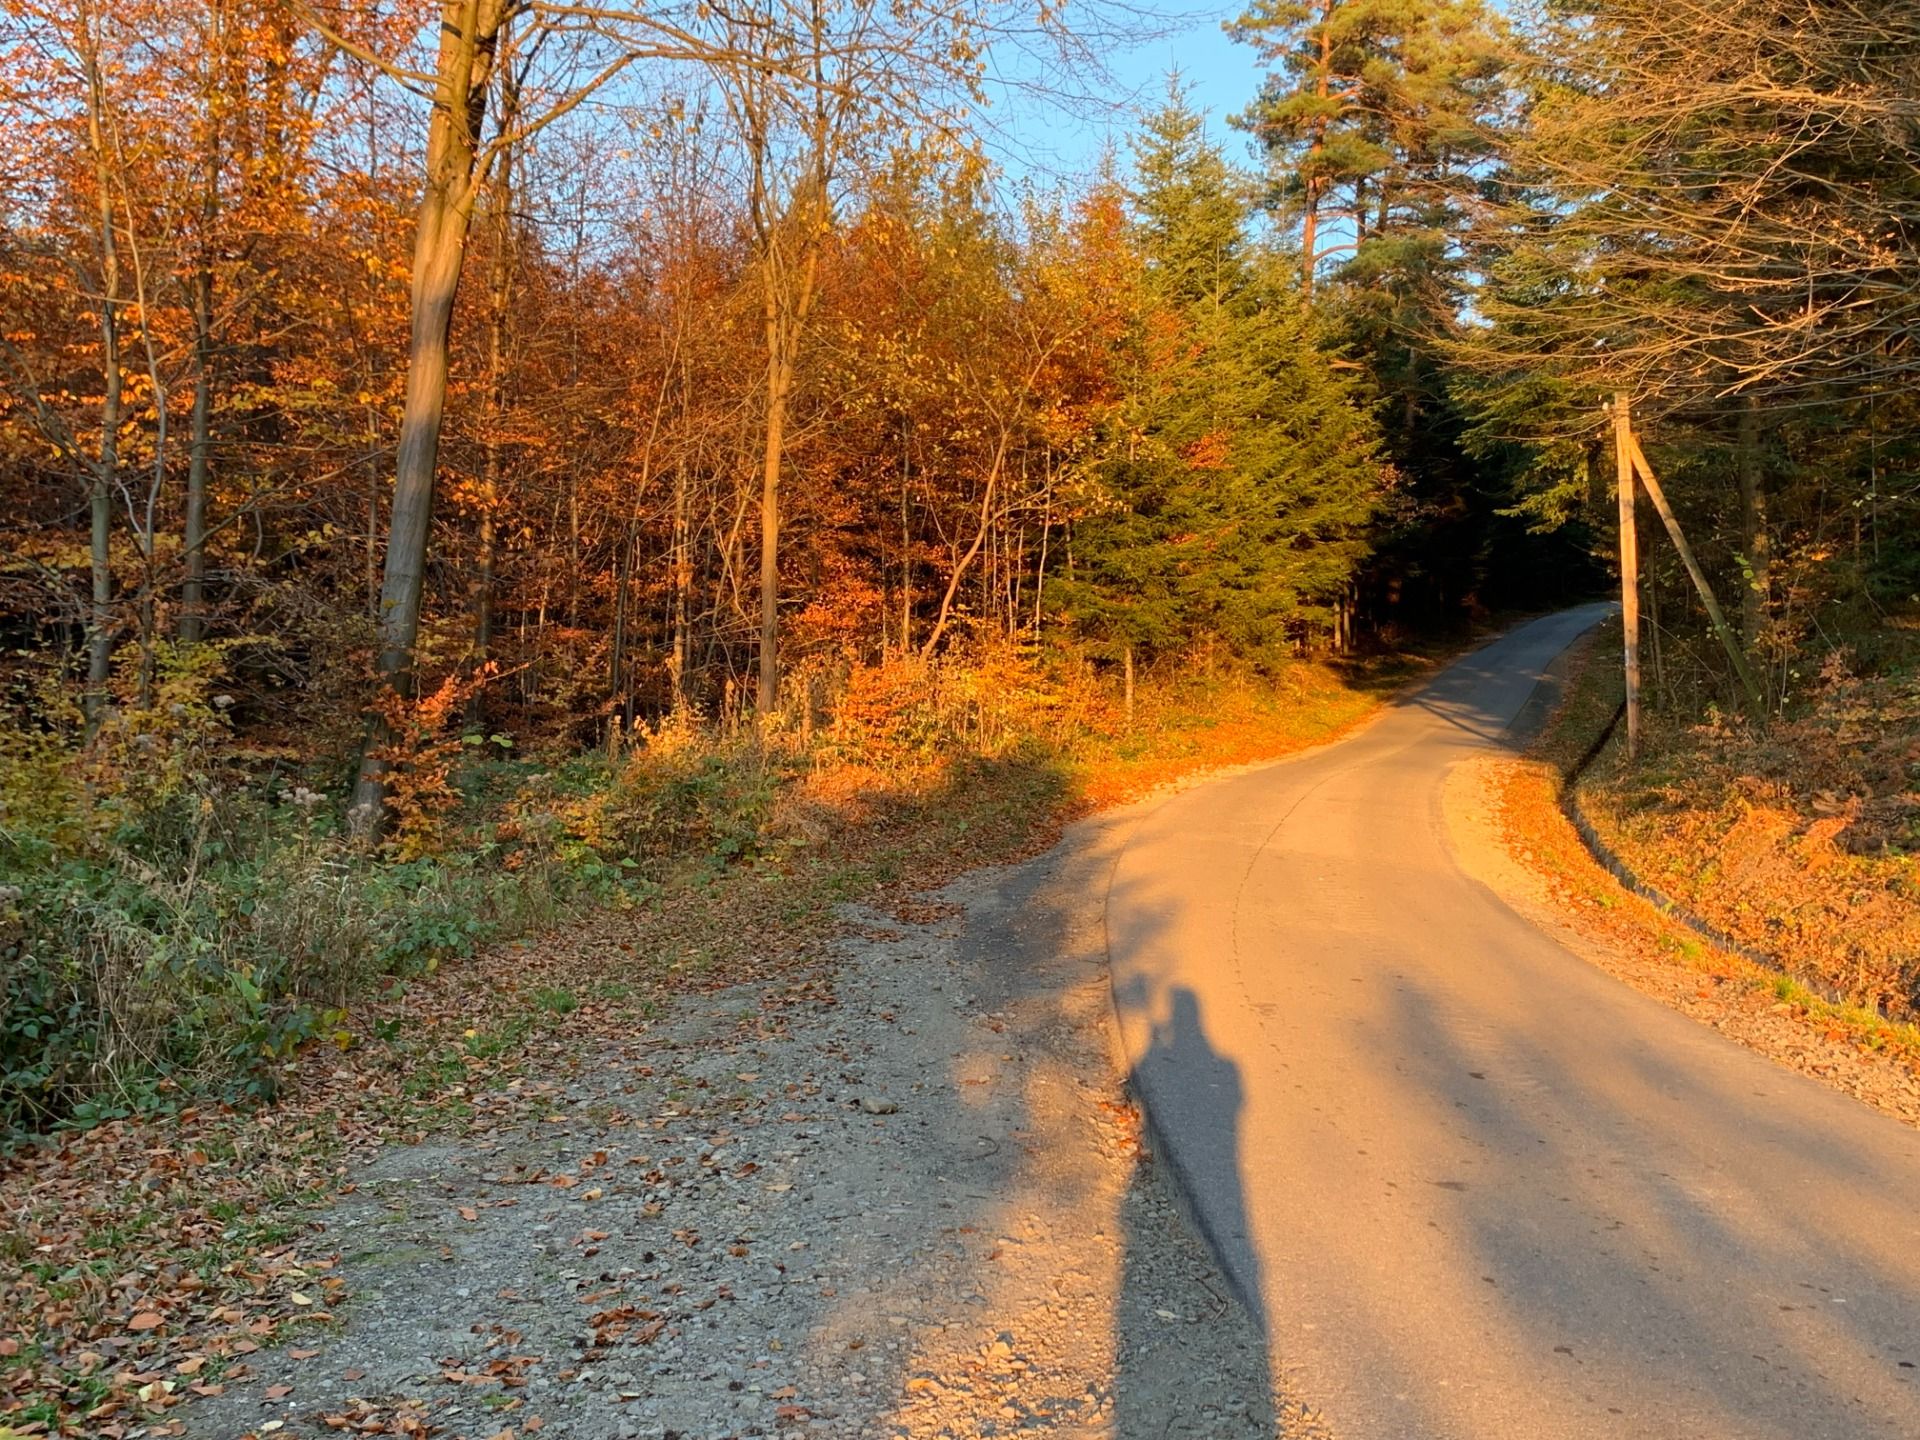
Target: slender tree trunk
x,y
105,474
1046,531
789,253
1315,183
193,586
682,585
906,546
499,310
193,535
373,515
622,582
961,565
779,379
1656,646
574,560
469,37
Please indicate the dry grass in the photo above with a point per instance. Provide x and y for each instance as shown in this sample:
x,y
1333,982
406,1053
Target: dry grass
x,y
1757,997
1796,842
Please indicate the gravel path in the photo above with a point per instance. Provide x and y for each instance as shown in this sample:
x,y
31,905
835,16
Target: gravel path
x,y
905,1198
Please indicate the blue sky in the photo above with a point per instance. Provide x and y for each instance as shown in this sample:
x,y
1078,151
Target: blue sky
x,y
1046,141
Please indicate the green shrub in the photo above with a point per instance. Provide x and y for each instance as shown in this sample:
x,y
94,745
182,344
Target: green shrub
x,y
170,924
681,793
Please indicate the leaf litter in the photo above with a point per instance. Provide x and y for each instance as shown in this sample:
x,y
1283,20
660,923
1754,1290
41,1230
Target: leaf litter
x,y
214,1255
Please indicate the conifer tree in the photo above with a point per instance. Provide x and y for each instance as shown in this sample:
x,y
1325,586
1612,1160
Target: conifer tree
x,y
1376,122
1237,487
1371,117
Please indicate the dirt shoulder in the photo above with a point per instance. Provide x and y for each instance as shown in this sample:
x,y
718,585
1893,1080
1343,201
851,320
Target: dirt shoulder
x,y
903,1197
1510,832
645,1175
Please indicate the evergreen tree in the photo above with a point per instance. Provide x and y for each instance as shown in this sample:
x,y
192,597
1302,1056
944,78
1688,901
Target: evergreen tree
x,y
1236,488
1372,121
1376,121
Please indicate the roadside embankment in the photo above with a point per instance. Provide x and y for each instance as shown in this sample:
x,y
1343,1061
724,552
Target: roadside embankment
x,y
1769,892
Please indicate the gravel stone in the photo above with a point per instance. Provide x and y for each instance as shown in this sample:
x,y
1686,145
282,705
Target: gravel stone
x,y
905,1199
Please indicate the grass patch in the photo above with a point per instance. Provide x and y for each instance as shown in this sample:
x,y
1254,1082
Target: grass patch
x,y
1793,840
1667,818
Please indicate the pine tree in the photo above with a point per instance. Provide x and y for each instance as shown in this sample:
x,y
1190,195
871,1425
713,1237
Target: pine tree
x,y
1242,471
1376,121
1372,119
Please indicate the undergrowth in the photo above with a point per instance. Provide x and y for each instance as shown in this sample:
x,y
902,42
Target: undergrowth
x,y
179,915
1798,839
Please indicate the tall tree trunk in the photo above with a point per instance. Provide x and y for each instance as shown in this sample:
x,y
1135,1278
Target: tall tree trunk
x,y
105,474
906,544
789,237
1046,530
779,383
682,585
372,555
218,98
499,308
617,655
1315,183
193,587
469,38
789,283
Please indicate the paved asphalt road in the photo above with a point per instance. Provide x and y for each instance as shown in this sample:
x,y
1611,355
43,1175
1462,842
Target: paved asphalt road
x,y
1475,1187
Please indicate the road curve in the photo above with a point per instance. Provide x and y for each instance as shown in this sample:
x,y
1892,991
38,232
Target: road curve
x,y
1473,1186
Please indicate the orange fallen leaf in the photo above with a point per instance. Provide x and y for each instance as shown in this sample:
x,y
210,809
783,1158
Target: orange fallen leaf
x,y
145,1320
467,1212
302,1354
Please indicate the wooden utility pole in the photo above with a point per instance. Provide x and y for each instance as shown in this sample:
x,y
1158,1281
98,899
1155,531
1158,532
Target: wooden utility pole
x,y
1749,682
1629,564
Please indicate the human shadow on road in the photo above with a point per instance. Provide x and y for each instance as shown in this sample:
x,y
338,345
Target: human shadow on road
x,y
1206,1111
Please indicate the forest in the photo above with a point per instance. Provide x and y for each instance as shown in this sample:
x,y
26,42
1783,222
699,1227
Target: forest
x,y
463,459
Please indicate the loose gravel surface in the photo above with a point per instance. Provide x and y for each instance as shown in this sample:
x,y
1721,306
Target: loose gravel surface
x,y
905,1196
